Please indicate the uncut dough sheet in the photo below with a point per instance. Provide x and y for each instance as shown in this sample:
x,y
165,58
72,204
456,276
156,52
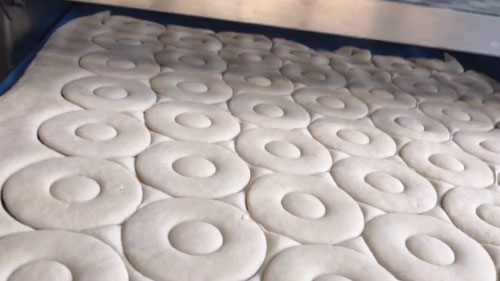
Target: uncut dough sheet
x,y
135,151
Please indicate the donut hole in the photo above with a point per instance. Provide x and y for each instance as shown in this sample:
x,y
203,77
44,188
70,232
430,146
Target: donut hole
x,y
129,42
457,114
489,213
193,120
430,249
303,205
111,93
426,87
96,132
196,61
331,102
410,123
121,64
283,149
314,75
196,238
331,277
193,86
447,162
492,146
251,57
269,110
384,182
353,136
42,270
259,81
194,167
74,189
382,94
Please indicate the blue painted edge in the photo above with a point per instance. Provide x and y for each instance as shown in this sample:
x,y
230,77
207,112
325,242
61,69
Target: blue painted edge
x,y
485,64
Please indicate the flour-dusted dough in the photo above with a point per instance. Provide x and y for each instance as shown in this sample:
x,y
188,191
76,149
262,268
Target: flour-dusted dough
x,y
72,193
338,103
399,66
191,60
245,40
293,51
192,121
269,111
416,248
353,137
308,209
426,88
324,263
108,93
95,133
350,55
53,255
465,83
445,162
128,42
258,80
190,40
120,65
192,87
194,239
382,95
251,58
192,169
313,75
485,145
384,184
133,25
285,151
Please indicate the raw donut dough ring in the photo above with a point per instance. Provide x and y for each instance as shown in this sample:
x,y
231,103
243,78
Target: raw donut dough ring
x,y
204,239
258,80
399,66
251,58
108,93
426,88
245,40
284,151
384,184
191,87
269,111
192,121
120,65
191,60
295,52
337,103
485,145
416,248
350,55
93,133
376,95
411,124
190,40
465,83
133,25
475,212
313,75
449,65
52,255
72,193
457,115
127,42
192,169
308,209
447,163
364,73
324,263
353,137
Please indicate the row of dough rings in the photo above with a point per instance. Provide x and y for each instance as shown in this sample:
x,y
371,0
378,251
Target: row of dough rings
x,y
251,58
313,75
269,111
94,133
295,52
258,80
475,211
192,121
192,169
448,163
399,67
449,65
53,255
324,263
419,248
485,145
362,73
120,65
349,55
377,95
206,239
284,151
426,88
464,83
384,184
128,42
191,60
245,40
309,209
133,25
337,103
190,40
353,137
72,193
409,123
108,93
191,87
457,115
